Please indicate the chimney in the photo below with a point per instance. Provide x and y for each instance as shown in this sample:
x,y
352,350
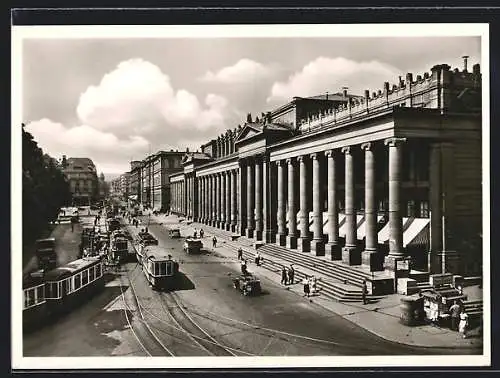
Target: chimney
x,y
409,78
476,69
64,162
327,95
465,57
344,91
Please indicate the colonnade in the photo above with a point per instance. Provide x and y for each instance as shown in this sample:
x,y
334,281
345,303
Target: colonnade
x,y
240,200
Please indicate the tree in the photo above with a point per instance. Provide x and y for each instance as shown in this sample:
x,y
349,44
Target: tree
x,y
45,189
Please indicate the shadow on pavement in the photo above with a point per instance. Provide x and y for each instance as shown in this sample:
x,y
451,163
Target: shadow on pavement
x,y
183,283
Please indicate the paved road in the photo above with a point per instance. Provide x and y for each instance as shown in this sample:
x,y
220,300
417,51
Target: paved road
x,y
287,323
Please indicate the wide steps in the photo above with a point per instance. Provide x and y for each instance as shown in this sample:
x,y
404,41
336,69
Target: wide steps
x,y
336,271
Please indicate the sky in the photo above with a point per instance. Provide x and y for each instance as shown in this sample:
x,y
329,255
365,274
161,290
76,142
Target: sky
x,y
119,99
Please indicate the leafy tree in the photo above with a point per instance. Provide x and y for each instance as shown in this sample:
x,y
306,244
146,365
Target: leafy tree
x,y
45,189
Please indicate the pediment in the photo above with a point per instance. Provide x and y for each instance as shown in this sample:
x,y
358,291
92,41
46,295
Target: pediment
x,y
248,131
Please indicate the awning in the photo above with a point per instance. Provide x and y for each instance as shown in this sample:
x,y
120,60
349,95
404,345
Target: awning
x,y
383,234
417,232
343,227
362,227
133,197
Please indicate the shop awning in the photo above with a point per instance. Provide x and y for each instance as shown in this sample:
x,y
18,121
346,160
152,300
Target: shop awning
x,y
133,197
361,233
343,227
417,232
383,234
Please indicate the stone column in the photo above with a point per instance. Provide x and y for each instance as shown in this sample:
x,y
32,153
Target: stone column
x,y
258,198
234,199
250,200
281,238
203,199
291,239
317,244
267,233
223,200
350,253
241,200
304,241
395,219
370,257
332,248
217,200
435,204
227,202
212,200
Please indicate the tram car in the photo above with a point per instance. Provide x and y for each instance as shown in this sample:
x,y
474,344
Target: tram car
x,y
118,246
34,303
159,268
69,285
49,294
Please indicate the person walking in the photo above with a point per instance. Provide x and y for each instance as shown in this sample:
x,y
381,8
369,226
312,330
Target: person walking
x,y
201,233
291,274
284,279
240,253
455,311
364,291
195,234
464,323
307,288
257,258
214,242
244,270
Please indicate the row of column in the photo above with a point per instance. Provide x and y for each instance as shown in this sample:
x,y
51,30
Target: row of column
x,y
178,197
300,239
218,199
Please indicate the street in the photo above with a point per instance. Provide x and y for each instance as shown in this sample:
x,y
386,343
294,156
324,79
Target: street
x,y
205,316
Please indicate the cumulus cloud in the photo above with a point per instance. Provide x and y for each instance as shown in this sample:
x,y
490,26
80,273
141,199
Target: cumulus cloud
x,y
84,141
133,108
331,74
243,71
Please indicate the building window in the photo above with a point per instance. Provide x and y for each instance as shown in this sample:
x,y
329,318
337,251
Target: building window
x,y
424,209
410,208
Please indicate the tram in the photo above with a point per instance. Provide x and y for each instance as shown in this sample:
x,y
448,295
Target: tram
x,y
52,293
118,246
159,268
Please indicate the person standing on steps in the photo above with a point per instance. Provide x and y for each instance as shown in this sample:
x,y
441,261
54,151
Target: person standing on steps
x,y
455,311
240,253
244,270
284,280
201,233
214,242
364,291
291,274
307,289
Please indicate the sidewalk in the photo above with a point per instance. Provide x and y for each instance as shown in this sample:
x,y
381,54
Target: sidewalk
x,y
381,318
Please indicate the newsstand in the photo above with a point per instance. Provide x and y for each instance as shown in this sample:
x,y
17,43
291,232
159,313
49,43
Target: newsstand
x,y
412,310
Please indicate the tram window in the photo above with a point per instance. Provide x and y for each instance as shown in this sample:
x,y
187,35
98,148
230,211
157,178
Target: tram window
x,y
78,281
163,268
91,274
30,297
85,277
53,292
40,293
156,269
169,268
67,285
98,271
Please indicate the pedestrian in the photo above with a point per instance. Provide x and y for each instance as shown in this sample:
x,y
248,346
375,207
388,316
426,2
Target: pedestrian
x,y
464,323
195,234
291,274
244,270
284,279
240,253
257,258
305,283
313,287
364,291
214,242
147,230
455,311
201,232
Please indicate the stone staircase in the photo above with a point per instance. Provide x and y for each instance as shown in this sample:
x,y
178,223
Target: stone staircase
x,y
334,281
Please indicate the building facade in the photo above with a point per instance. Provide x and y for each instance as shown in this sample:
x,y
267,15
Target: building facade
x,y
134,191
388,179
82,177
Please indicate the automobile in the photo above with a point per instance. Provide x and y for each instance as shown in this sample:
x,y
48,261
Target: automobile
x,y
192,245
247,284
174,233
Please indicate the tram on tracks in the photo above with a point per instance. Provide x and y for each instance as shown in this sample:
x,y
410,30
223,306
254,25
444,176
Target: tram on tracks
x,y
160,269
52,293
118,246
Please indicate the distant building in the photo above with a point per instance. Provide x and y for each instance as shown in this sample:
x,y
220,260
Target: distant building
x,y
134,190
82,176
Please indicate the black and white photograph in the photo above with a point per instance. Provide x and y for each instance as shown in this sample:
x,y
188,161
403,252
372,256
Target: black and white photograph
x,y
250,196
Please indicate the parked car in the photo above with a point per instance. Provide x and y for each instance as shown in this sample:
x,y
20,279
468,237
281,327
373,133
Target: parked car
x,y
192,245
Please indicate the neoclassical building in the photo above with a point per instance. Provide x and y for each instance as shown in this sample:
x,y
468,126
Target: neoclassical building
x,y
393,175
